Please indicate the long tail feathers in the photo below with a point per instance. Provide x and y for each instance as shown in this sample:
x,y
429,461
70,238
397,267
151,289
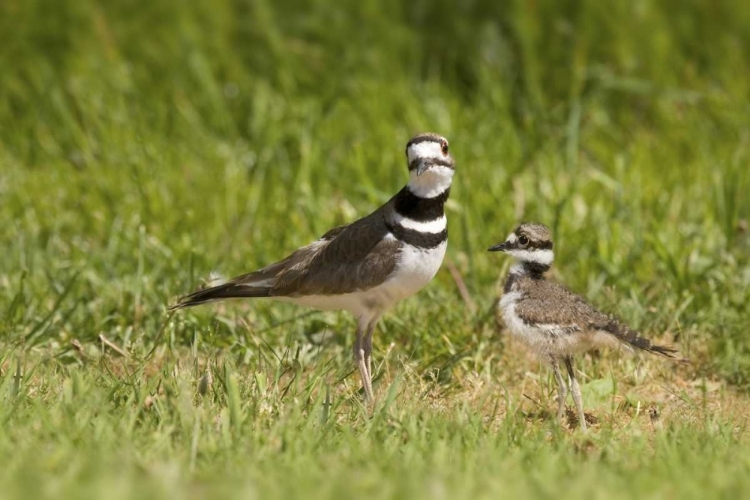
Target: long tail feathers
x,y
632,339
226,291
645,344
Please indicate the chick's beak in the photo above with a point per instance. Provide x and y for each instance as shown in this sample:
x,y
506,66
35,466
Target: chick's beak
x,y
500,247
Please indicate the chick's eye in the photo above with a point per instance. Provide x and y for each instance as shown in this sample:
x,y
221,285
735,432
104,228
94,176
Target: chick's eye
x,y
523,240
444,147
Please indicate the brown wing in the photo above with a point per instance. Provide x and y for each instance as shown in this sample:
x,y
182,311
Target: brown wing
x,y
263,282
268,276
549,303
552,304
346,259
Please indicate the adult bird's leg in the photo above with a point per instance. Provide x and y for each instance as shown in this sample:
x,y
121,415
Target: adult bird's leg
x,y
576,390
359,358
562,389
367,345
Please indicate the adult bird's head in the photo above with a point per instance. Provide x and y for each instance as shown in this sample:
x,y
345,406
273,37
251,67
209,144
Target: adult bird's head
x,y
431,165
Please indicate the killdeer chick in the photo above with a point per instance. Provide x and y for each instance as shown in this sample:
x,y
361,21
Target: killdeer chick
x,y
367,266
552,320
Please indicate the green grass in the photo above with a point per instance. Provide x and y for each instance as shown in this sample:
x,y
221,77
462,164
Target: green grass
x,y
144,145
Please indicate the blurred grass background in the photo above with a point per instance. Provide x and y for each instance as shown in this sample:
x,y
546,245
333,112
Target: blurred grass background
x,y
144,145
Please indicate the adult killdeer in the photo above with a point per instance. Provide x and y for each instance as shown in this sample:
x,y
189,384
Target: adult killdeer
x,y
369,265
552,320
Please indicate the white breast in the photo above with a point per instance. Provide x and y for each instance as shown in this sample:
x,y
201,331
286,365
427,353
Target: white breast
x,y
513,323
415,268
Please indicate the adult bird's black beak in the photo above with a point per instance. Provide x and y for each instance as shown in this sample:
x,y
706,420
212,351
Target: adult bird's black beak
x,y
500,247
423,166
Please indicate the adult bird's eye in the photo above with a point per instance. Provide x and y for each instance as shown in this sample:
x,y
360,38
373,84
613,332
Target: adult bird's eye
x,y
523,240
444,147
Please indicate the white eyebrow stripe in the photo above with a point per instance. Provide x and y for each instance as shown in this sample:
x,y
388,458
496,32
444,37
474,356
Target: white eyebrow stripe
x,y
425,149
